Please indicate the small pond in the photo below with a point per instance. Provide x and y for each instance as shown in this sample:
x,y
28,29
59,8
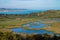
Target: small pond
x,y
38,24
21,30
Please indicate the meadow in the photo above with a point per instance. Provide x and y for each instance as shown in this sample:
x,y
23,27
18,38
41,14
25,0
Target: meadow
x,y
52,17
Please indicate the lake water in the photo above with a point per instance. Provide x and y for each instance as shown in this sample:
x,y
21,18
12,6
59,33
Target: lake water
x,y
22,12
21,30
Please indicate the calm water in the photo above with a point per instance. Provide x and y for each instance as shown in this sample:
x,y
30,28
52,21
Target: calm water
x,y
35,25
22,12
21,30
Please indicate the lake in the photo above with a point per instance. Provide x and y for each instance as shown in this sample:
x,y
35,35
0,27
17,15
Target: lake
x,y
23,12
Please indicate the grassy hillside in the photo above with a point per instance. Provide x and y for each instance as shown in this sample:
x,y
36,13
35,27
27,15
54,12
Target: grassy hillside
x,y
17,20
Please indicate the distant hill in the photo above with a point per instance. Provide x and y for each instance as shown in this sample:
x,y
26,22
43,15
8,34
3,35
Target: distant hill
x,y
11,9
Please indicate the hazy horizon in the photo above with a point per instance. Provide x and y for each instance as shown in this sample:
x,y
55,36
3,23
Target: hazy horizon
x,y
30,4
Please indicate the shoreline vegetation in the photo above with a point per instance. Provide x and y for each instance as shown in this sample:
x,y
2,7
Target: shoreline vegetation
x,y
9,35
17,20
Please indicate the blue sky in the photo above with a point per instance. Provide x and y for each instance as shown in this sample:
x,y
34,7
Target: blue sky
x,y
30,4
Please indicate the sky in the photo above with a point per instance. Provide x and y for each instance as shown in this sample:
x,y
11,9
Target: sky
x,y
30,4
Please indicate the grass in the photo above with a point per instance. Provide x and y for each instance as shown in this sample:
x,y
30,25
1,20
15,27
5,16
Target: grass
x,y
5,23
14,21
55,27
9,35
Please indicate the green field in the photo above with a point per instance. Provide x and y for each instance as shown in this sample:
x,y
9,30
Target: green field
x,y
17,20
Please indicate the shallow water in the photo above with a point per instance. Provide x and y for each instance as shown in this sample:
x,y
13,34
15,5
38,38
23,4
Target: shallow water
x,y
21,30
34,25
37,24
